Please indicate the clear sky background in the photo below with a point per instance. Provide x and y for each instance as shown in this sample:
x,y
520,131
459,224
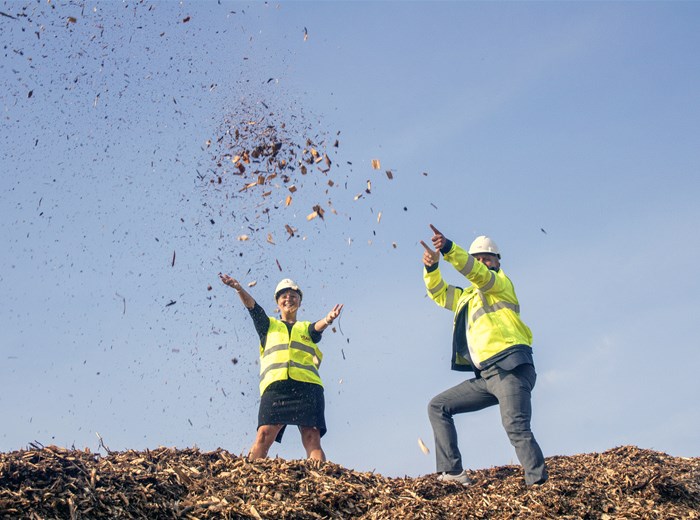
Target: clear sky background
x,y
568,131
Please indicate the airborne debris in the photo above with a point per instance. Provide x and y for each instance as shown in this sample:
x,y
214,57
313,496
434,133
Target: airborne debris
x,y
423,447
376,164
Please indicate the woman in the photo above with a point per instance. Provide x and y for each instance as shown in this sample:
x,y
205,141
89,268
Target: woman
x,y
290,387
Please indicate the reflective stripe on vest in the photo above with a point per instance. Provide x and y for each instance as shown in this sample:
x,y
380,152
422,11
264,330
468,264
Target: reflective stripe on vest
x,y
492,308
438,287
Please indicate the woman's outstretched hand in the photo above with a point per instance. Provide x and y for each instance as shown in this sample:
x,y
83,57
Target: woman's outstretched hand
x,y
231,282
334,313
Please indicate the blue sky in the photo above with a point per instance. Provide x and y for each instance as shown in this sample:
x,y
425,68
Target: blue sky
x,y
503,118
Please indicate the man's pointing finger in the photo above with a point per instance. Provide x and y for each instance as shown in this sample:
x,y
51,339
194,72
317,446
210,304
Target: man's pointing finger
x,y
426,247
435,230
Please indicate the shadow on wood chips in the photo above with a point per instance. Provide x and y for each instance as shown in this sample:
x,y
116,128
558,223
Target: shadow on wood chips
x,y
52,482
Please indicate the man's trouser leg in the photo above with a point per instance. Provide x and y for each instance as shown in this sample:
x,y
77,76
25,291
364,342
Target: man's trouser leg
x,y
513,389
468,396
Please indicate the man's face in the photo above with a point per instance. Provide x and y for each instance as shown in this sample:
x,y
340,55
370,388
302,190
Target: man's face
x,y
289,300
489,260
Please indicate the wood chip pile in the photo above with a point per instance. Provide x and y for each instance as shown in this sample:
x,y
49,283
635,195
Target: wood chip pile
x,y
51,482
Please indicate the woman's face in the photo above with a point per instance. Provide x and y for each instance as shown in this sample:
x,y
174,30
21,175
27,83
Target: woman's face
x,y
289,300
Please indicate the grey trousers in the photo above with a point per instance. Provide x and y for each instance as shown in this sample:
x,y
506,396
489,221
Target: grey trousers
x,y
510,389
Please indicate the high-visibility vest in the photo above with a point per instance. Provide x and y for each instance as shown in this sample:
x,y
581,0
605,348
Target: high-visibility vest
x,y
493,312
285,357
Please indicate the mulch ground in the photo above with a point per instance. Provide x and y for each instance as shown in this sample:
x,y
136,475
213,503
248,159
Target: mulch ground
x,y
52,482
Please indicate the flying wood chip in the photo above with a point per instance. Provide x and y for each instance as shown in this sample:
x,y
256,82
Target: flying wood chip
x,y
278,264
312,216
376,164
242,238
423,447
252,284
290,230
379,217
292,188
288,200
269,239
389,174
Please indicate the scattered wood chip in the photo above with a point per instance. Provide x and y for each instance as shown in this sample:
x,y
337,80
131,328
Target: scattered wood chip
x,y
624,482
252,284
319,210
242,238
389,174
423,447
376,164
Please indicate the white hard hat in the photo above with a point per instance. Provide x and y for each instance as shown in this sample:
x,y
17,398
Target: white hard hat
x,y
484,244
287,284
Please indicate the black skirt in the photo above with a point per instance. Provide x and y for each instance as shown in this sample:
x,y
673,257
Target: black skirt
x,y
293,402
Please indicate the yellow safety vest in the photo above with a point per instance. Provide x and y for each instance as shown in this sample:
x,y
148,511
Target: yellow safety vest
x,y
285,357
493,319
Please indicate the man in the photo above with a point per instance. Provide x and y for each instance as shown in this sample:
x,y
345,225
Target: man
x,y
489,339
